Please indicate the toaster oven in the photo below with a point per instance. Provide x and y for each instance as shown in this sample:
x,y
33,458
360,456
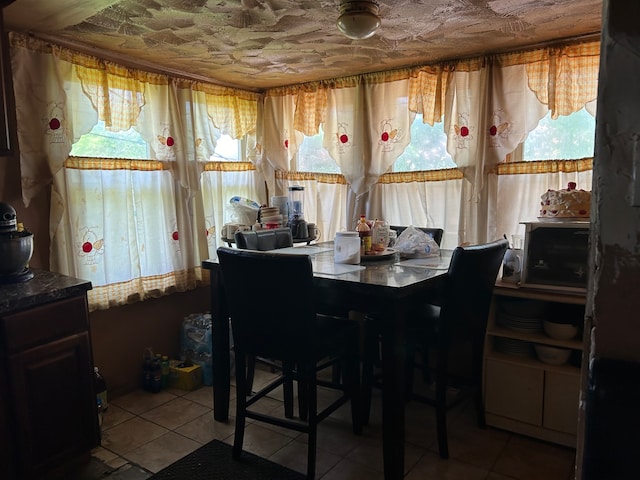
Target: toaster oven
x,y
556,255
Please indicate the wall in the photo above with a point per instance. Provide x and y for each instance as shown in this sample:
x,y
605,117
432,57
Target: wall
x,y
617,219
609,436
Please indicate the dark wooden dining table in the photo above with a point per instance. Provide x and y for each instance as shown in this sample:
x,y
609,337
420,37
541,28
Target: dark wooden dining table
x,y
386,286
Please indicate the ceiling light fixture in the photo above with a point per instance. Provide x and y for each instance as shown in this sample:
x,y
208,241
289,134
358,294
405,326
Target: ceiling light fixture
x,y
358,20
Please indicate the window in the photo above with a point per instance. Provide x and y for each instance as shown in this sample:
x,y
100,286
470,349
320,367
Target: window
x,y
427,150
566,138
227,149
101,143
313,157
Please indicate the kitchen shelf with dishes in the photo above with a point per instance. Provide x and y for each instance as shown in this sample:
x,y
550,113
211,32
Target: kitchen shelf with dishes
x,y
532,362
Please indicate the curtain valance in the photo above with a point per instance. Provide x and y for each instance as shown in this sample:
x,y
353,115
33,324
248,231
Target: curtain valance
x,y
67,93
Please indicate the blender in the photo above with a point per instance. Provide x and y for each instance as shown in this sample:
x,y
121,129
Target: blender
x,y
297,222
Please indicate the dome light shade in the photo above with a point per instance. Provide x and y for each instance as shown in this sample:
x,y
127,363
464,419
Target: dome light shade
x,y
358,20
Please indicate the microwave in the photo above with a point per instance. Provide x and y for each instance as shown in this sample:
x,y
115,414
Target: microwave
x,y
556,255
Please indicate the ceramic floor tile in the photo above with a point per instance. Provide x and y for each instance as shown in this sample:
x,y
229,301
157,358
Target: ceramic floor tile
x,y
277,411
294,456
472,444
175,413
528,459
498,476
140,401
161,452
337,437
261,441
130,440
117,462
130,435
369,453
432,466
204,428
203,396
115,416
349,470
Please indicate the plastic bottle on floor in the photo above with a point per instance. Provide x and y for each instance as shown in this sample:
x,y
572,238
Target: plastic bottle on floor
x,y
100,388
165,371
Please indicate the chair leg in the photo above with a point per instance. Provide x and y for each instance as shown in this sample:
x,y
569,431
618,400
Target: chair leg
x,y
353,388
369,357
242,391
251,372
287,387
311,393
477,383
441,402
303,398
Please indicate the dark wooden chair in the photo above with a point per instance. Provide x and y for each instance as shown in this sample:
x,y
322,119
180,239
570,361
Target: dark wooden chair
x,y
371,332
263,240
292,333
459,318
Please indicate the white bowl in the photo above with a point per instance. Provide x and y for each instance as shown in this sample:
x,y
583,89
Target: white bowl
x,y
559,331
552,355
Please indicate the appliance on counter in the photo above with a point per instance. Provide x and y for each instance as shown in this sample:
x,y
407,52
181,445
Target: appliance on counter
x,y
16,247
297,223
556,255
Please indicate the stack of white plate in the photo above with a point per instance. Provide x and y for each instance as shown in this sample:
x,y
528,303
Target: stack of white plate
x,y
270,215
513,346
520,324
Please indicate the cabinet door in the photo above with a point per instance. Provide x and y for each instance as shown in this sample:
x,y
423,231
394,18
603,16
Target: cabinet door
x,y
514,391
561,398
54,403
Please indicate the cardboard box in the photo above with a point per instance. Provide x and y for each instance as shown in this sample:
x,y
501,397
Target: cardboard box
x,y
184,377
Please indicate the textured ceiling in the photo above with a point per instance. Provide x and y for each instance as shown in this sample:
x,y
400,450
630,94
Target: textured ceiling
x,y
258,44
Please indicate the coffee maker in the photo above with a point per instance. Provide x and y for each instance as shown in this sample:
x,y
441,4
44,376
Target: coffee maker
x,y
297,222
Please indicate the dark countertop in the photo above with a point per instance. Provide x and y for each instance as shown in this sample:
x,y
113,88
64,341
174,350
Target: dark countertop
x,y
44,287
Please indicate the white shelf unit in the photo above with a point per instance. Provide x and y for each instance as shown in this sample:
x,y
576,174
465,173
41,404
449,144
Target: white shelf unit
x,y
522,394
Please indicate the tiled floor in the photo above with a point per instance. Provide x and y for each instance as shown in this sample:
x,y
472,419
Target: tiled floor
x,y
144,432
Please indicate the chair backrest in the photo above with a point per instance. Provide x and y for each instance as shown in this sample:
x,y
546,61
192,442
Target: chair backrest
x,y
271,302
436,233
468,287
269,239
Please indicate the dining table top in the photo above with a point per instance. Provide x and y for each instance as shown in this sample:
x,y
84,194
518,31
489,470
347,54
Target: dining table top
x,y
389,270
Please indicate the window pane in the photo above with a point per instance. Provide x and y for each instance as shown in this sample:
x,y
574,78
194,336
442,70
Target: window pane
x,y
313,157
427,149
101,143
227,149
567,137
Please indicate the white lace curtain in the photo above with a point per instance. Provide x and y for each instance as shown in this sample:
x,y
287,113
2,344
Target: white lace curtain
x,y
489,106
107,215
135,229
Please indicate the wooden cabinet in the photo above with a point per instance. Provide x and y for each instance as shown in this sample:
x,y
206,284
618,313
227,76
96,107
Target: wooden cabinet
x,y
48,399
521,393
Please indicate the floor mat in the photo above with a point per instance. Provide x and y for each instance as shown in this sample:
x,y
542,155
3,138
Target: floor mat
x,y
213,461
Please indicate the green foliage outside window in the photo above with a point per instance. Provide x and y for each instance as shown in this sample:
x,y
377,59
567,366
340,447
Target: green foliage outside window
x,y
101,143
567,137
427,149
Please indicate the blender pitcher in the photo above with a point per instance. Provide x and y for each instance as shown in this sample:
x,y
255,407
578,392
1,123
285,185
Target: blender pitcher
x,y
297,222
296,202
